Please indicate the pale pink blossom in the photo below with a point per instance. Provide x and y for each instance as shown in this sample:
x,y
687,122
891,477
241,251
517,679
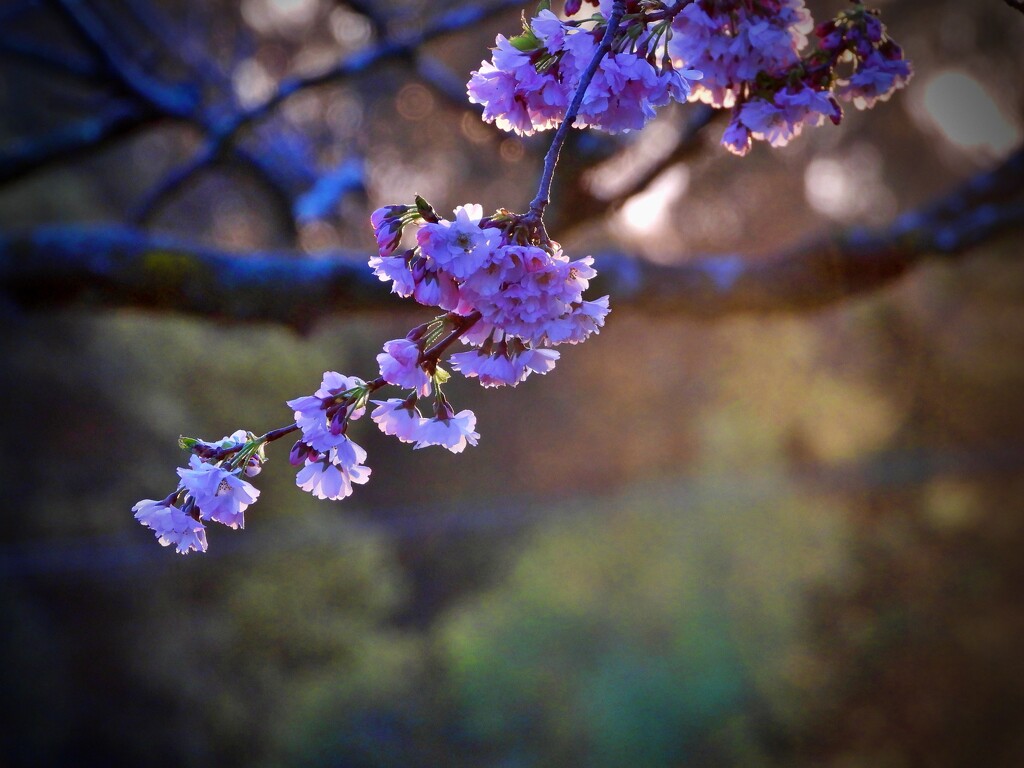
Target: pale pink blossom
x,y
332,474
534,361
399,418
172,525
400,365
503,366
396,269
876,78
459,247
318,430
453,431
737,137
493,370
220,495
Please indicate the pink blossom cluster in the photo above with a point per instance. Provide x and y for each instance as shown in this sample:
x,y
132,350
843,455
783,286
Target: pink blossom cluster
x,y
506,295
754,60
531,79
526,297
732,41
209,489
330,462
877,65
753,56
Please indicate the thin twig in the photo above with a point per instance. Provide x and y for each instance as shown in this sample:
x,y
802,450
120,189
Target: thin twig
x,y
541,200
223,135
169,100
47,58
25,156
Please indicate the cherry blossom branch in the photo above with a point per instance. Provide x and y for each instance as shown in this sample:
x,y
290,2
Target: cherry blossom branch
x,y
430,358
461,325
541,200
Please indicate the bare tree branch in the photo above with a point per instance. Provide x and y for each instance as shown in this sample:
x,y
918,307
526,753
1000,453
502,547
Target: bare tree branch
x,y
174,100
49,59
123,267
223,135
119,267
20,158
576,203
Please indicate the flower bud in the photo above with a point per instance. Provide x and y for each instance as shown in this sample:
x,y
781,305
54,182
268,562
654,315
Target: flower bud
x,y
299,452
417,334
339,422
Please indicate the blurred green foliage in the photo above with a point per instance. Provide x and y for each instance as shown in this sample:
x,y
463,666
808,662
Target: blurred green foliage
x,y
645,629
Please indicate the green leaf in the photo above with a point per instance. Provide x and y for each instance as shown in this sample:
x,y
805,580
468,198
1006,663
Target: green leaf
x,y
526,41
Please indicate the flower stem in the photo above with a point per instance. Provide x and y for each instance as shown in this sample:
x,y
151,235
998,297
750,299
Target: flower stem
x,y
462,324
540,202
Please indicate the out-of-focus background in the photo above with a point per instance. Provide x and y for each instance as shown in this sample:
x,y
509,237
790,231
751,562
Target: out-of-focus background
x,y
793,539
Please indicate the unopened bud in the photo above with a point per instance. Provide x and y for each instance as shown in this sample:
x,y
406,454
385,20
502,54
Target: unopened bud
x,y
442,410
299,452
339,422
417,334
426,211
825,28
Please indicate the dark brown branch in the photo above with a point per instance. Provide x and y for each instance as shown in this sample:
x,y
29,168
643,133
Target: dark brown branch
x,y
807,277
121,267
49,59
118,267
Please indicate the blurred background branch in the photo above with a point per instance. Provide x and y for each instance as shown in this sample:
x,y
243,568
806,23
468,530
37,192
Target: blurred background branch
x,y
117,267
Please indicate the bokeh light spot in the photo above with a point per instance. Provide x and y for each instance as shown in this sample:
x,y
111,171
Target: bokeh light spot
x,y
967,115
